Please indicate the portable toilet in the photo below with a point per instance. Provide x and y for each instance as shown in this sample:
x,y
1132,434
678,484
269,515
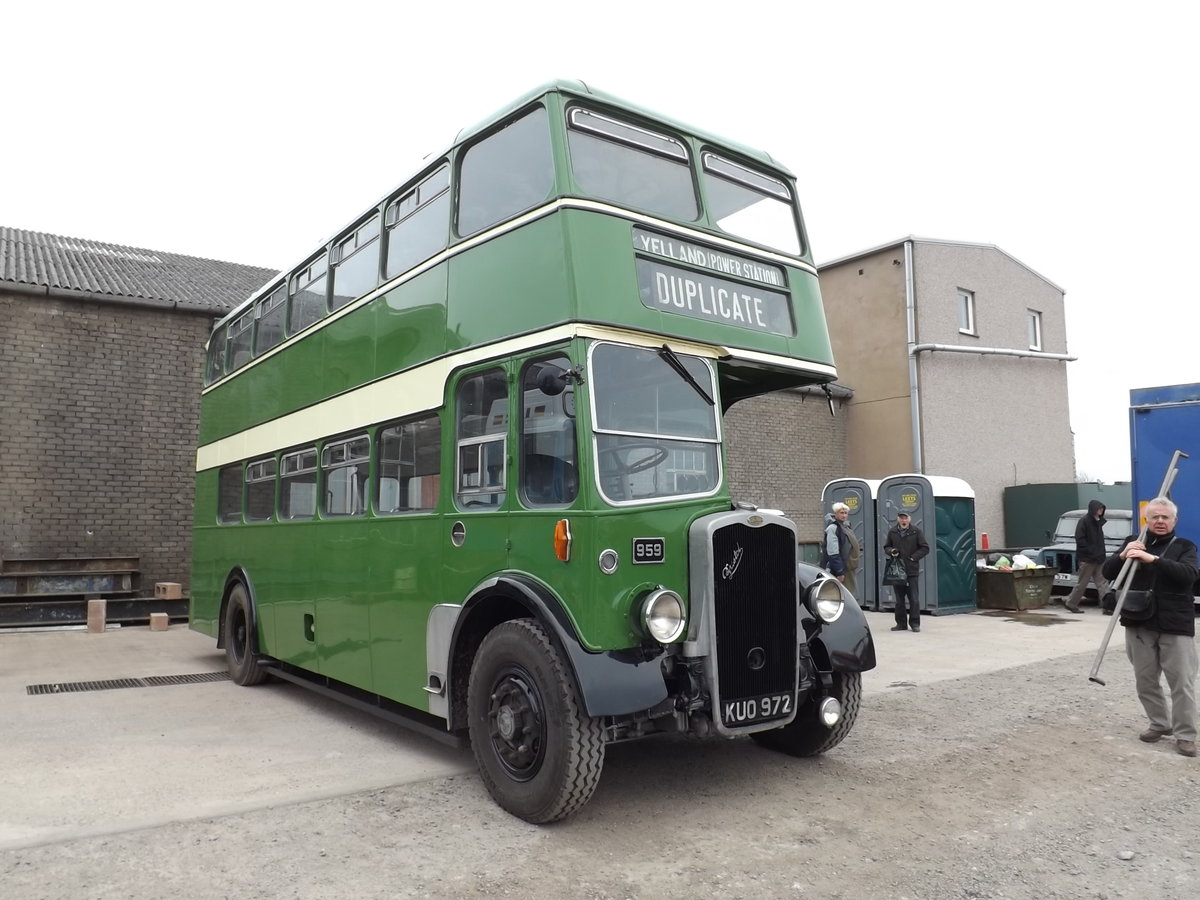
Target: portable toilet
x,y
859,495
944,509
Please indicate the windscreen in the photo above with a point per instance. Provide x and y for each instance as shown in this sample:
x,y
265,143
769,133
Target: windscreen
x,y
655,421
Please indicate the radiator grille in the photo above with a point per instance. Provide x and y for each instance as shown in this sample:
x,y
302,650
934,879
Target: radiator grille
x,y
754,599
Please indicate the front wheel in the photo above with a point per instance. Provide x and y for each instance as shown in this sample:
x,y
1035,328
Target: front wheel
x,y
240,644
806,736
539,754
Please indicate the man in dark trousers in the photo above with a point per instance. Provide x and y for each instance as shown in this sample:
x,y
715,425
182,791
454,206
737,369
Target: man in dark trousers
x,y
905,540
1163,644
1090,551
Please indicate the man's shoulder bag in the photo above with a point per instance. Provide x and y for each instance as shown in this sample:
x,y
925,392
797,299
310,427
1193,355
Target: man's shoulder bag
x,y
1140,606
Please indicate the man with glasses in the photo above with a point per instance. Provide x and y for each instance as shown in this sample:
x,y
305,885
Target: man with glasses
x,y
1164,643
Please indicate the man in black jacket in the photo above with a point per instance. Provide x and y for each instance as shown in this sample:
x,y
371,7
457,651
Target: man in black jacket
x,y
905,540
1164,643
1090,552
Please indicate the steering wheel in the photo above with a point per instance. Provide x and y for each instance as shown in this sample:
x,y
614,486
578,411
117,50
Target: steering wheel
x,y
656,455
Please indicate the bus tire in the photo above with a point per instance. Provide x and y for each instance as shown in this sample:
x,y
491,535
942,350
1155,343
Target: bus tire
x,y
240,645
806,736
539,753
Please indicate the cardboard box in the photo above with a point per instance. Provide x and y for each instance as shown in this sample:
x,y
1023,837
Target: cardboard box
x,y
168,590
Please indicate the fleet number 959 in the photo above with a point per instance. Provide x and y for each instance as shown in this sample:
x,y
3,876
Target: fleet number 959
x,y
649,550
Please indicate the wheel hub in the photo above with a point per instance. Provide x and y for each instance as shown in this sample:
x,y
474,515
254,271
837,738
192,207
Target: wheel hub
x,y
517,725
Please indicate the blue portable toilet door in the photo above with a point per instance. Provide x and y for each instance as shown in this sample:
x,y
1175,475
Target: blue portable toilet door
x,y
859,495
912,494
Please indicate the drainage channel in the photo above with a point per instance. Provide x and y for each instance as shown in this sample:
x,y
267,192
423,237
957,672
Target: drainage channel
x,y
78,687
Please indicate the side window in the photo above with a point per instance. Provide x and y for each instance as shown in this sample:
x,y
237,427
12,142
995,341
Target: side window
x,y
216,355
418,223
260,490
345,466
482,411
549,463
307,302
241,333
410,464
229,494
356,263
298,484
271,311
509,171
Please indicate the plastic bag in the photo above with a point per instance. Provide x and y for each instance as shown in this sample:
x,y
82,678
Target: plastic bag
x,y
893,572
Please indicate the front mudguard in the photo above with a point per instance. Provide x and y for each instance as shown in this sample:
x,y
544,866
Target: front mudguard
x,y
844,645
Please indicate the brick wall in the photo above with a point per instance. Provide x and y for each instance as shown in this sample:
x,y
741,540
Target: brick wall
x,y
783,449
98,420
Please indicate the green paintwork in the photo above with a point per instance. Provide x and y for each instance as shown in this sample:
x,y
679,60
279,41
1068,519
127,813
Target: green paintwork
x,y
350,598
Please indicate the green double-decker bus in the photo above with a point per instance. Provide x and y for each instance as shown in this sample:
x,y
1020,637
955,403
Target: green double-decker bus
x,y
463,465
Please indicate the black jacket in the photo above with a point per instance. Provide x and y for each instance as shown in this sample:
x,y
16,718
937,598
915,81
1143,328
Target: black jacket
x,y
912,546
1089,535
1171,578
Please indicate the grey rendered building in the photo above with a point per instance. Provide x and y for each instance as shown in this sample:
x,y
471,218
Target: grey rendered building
x,y
957,354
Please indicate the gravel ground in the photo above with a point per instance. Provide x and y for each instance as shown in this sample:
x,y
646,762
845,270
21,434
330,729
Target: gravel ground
x,y
1024,783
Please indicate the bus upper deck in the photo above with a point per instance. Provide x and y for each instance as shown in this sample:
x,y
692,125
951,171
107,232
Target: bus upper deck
x,y
568,207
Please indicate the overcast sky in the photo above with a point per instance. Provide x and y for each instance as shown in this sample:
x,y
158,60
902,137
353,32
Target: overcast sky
x,y
1062,132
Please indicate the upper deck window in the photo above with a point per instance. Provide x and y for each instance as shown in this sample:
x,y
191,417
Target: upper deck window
x,y
509,171
271,311
308,294
356,263
631,165
216,355
418,223
241,332
751,204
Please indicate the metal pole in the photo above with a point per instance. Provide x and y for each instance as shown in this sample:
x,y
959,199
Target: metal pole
x,y
1125,577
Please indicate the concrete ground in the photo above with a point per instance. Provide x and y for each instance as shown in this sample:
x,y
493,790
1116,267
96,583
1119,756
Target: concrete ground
x,y
116,760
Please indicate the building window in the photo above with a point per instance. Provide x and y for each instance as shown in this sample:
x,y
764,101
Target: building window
x,y
966,312
1035,330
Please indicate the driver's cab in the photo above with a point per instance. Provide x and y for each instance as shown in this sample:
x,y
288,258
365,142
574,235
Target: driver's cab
x,y
656,429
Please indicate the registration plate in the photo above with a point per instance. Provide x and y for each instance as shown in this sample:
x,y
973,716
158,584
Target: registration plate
x,y
1063,578
756,709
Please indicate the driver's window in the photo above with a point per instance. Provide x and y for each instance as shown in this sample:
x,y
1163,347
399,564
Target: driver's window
x,y
549,464
482,431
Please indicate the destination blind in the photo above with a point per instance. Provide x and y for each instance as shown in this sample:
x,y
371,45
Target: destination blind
x,y
689,292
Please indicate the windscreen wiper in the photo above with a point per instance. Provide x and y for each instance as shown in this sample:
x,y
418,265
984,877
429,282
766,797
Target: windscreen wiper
x,y
669,357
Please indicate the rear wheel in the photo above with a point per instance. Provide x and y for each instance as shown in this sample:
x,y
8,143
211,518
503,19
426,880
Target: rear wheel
x,y
240,644
539,754
806,735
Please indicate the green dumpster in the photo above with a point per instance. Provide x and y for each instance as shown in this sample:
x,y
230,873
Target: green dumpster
x,y
1018,589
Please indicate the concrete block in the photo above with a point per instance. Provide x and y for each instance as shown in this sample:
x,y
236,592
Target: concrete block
x,y
97,614
168,590
159,622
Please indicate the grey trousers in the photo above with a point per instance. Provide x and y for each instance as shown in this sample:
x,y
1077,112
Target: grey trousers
x,y
1089,571
1154,654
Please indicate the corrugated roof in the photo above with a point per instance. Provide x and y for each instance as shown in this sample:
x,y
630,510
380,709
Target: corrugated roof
x,y
65,266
